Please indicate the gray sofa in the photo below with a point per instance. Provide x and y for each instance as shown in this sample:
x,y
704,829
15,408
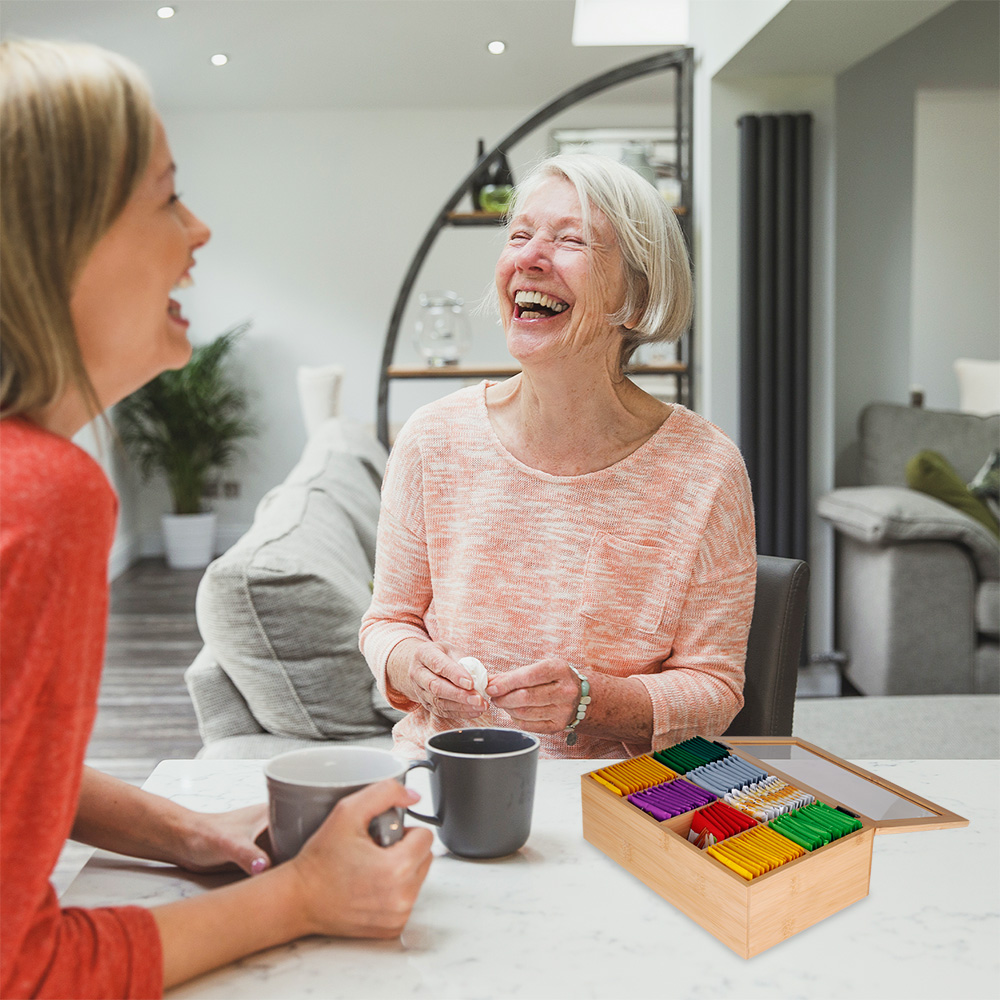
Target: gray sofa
x,y
918,598
279,612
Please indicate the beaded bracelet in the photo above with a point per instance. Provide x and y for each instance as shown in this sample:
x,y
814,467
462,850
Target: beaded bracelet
x,y
581,708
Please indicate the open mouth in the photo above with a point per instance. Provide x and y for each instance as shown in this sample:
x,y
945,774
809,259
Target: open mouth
x,y
173,306
174,311
537,305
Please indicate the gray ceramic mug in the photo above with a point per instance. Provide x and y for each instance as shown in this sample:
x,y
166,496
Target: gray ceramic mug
x,y
303,786
483,785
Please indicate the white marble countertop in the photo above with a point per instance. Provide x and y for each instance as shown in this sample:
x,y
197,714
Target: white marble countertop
x,y
560,919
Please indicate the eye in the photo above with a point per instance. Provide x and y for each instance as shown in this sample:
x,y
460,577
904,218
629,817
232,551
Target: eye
x,y
519,236
174,198
573,240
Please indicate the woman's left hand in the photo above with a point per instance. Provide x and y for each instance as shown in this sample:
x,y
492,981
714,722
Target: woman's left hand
x,y
216,841
541,697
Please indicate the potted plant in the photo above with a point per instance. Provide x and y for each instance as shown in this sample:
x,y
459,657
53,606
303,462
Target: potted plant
x,y
186,424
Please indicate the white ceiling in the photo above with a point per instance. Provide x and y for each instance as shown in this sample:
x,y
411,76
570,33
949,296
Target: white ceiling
x,y
297,54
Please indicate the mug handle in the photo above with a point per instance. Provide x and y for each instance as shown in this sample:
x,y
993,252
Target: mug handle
x,y
433,820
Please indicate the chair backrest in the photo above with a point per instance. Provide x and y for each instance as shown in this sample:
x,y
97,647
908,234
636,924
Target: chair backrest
x,y
773,649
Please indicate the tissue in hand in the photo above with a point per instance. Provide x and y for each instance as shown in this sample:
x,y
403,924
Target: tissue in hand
x,y
478,674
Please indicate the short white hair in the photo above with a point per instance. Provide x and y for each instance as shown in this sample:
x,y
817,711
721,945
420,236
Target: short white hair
x,y
657,270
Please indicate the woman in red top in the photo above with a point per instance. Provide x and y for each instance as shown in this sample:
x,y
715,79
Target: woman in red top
x,y
94,238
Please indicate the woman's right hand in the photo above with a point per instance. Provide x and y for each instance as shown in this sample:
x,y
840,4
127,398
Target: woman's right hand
x,y
348,885
429,674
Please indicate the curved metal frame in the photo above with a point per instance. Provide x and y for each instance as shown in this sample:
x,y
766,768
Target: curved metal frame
x,y
677,59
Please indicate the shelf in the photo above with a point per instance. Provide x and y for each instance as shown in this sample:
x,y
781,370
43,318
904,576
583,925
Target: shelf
x,y
505,371
475,218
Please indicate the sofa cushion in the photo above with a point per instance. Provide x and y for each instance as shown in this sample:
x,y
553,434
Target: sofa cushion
x,y
889,434
931,473
884,514
280,611
988,608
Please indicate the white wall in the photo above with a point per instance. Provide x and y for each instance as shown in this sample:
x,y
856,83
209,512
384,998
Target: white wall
x,y
315,217
719,102
955,294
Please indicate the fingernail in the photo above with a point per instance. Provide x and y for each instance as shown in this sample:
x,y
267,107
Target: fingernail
x,y
258,865
412,795
492,690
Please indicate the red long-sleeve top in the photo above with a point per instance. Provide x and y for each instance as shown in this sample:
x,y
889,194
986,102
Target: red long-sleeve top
x,y
57,518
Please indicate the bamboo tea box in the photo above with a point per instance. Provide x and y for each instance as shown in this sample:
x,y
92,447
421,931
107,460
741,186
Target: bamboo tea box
x,y
754,838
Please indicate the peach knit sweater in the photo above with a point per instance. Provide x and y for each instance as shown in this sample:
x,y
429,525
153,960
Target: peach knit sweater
x,y
646,568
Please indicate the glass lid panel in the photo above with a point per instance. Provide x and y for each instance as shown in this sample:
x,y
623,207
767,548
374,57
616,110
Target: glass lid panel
x,y
848,788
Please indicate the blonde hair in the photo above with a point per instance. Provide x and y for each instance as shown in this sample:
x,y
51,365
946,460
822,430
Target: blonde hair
x,y
657,270
76,132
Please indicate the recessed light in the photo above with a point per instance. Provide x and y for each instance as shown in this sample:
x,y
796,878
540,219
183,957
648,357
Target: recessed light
x,y
165,12
496,47
220,59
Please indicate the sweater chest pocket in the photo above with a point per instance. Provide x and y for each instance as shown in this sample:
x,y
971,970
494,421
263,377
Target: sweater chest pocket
x,y
626,583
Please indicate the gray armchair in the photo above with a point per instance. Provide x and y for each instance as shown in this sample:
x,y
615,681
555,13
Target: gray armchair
x,y
917,592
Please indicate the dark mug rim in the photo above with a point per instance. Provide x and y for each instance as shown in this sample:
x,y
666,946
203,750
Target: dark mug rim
x,y
534,743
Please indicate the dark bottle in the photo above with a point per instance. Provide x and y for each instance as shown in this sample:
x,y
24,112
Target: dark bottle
x,y
500,175
480,178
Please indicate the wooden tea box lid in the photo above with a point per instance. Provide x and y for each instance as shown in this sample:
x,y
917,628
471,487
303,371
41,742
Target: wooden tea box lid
x,y
881,804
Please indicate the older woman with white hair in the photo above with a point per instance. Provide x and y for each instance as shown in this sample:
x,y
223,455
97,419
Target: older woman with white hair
x,y
590,545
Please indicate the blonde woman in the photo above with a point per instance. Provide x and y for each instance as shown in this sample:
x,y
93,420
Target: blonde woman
x,y
94,239
592,546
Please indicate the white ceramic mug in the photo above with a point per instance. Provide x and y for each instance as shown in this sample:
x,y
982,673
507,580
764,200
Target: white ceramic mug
x,y
303,786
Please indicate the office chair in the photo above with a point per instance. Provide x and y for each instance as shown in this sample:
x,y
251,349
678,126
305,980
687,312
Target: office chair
x,y
773,648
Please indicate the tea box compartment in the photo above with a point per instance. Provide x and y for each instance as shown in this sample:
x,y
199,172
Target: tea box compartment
x,y
752,915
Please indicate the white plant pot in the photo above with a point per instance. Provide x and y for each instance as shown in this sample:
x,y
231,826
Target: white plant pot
x,y
189,540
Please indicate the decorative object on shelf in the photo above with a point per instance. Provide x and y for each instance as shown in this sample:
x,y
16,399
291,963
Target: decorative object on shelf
x,y
652,152
480,178
634,156
496,195
442,335
186,424
656,354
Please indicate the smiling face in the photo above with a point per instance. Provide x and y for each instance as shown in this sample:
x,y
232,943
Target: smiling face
x,y
127,325
556,286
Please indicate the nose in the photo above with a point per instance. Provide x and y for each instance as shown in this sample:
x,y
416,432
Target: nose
x,y
533,255
198,233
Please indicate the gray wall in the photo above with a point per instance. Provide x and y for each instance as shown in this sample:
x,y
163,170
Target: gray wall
x,y
874,119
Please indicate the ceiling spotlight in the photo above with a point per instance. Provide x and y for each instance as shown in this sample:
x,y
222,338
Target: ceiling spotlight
x,y
220,59
165,12
496,47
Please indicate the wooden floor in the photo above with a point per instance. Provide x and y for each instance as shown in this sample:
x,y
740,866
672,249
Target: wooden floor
x,y
144,713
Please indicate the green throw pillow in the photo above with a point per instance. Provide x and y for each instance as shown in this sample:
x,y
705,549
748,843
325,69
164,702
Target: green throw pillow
x,y
931,473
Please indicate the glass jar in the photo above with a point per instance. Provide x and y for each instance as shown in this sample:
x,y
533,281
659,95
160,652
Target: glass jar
x,y
442,334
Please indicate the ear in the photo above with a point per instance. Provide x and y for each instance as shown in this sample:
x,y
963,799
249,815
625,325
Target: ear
x,y
633,321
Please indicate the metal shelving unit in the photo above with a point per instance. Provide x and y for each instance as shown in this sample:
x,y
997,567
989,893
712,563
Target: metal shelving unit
x,y
678,61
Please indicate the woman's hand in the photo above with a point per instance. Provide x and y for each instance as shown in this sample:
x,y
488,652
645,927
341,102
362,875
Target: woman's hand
x,y
116,816
540,697
222,840
351,887
341,883
429,674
